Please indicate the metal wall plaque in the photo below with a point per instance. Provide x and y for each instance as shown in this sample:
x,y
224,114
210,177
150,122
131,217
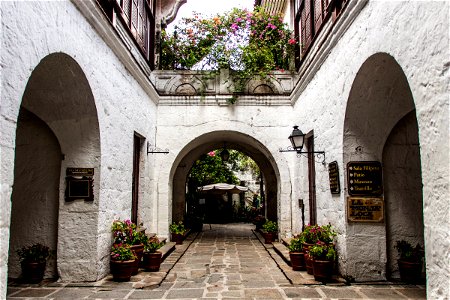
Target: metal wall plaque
x,y
364,178
79,184
333,174
80,171
365,209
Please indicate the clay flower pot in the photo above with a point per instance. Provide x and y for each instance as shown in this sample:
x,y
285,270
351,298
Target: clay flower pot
x,y
322,270
122,269
152,261
33,272
297,261
138,251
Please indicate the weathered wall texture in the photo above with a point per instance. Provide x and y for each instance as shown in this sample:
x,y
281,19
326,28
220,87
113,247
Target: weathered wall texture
x,y
392,58
120,108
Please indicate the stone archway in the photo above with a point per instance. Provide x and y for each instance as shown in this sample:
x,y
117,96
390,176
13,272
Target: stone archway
x,y
57,128
380,114
234,140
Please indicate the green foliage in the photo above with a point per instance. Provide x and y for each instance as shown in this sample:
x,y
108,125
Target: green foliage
x,y
209,169
177,228
34,253
122,252
251,44
270,226
152,245
409,253
296,244
323,251
314,233
126,232
238,161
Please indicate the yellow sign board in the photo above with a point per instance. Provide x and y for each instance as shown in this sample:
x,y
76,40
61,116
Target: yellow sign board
x,y
361,209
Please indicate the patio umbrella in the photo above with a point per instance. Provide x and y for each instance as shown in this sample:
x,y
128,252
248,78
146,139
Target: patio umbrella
x,y
222,188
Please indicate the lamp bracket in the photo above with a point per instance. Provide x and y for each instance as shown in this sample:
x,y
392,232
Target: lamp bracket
x,y
155,149
319,154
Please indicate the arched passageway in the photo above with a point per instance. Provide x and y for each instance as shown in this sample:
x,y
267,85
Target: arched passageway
x,y
380,125
57,129
234,140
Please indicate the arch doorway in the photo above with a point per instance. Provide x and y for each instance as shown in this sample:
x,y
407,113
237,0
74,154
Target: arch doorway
x,y
57,128
233,140
381,125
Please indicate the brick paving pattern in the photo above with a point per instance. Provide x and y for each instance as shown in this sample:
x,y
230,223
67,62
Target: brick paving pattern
x,y
222,262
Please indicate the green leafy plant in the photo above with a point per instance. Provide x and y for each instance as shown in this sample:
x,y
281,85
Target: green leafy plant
x,y
34,253
177,228
409,253
323,251
270,226
122,252
153,244
250,44
296,244
123,231
138,237
314,233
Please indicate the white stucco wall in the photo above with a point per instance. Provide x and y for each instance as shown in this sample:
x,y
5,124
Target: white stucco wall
x,y
33,31
415,34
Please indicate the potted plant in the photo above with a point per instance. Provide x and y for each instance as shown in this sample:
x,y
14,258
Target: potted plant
x,y
323,255
410,261
259,221
152,257
122,262
296,254
126,232
177,230
311,235
33,260
270,231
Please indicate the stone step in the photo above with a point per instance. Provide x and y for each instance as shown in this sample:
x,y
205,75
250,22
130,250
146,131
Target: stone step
x,y
167,249
282,251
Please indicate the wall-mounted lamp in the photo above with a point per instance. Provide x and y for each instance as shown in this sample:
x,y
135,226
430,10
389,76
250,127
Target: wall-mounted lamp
x,y
224,154
297,139
152,150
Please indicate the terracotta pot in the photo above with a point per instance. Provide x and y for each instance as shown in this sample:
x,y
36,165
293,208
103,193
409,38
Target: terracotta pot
x,y
137,250
152,261
322,270
269,237
309,264
410,272
121,269
177,238
297,261
33,272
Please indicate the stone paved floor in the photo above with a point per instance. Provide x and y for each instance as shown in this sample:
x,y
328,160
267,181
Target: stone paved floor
x,y
224,262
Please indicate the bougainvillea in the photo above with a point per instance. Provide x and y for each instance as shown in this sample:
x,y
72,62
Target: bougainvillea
x,y
248,43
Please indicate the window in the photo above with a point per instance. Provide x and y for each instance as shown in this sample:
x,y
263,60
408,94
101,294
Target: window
x,y
139,17
310,16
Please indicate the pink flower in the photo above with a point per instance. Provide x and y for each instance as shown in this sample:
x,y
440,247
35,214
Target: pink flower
x,y
234,26
292,41
212,153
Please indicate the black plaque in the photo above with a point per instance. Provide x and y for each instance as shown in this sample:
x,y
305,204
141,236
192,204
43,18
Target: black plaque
x,y
79,188
364,178
333,173
80,171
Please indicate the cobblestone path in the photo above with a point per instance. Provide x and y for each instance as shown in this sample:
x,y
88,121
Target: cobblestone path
x,y
222,262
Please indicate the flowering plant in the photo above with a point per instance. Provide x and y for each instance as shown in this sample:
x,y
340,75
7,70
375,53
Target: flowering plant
x,y
270,226
123,231
34,253
409,253
249,43
313,233
323,251
122,252
296,244
177,228
152,244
